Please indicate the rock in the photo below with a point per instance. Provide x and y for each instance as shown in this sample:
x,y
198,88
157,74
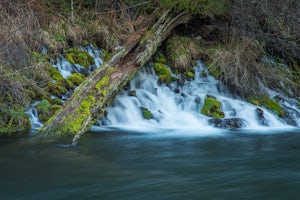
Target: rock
x,y
176,90
146,113
197,100
132,93
211,96
260,117
233,113
212,108
229,123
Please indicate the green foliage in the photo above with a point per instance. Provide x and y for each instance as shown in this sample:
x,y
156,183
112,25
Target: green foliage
x,y
105,55
204,7
163,73
160,57
271,104
13,118
190,74
76,78
44,105
212,108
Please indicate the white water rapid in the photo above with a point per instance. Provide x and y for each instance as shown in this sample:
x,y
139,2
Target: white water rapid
x,y
178,106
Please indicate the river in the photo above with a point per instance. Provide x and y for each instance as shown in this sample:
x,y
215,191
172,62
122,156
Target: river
x,y
166,164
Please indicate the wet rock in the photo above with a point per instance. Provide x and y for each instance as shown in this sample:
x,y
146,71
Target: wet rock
x,y
132,93
260,117
291,115
211,96
232,113
197,100
229,123
176,90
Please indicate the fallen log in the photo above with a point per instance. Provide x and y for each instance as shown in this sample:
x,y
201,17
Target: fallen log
x,y
90,99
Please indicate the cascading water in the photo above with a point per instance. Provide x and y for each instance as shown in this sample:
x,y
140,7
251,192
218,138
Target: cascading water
x,y
178,106
66,68
32,112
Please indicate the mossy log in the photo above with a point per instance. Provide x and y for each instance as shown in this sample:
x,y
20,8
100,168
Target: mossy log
x,y
89,100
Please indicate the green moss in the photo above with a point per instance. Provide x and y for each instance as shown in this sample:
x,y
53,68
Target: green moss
x,y
54,101
76,78
75,122
271,104
212,108
84,43
204,74
105,55
54,73
43,105
146,113
102,84
190,74
56,89
44,110
163,72
75,55
160,57
70,58
55,108
214,71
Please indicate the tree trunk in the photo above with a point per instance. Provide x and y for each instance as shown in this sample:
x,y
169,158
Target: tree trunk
x,y
89,100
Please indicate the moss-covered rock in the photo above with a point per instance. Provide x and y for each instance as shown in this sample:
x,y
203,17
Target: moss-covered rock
x,y
146,113
56,89
190,74
212,108
163,73
78,56
271,104
76,78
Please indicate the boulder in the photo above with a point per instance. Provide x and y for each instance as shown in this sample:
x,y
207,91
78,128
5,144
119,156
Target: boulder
x,y
228,123
260,117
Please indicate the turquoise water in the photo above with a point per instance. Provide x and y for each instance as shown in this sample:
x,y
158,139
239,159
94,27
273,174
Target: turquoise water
x,y
161,165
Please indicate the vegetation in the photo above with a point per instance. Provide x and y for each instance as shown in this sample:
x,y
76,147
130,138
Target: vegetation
x,y
146,113
163,73
212,108
271,104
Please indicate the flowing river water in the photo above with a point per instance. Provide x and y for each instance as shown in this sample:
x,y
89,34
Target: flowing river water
x,y
154,165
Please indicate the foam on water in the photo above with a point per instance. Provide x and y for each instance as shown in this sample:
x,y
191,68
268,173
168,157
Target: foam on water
x,y
179,110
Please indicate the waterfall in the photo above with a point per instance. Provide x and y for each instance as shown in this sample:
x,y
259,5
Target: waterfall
x,y
178,106
32,112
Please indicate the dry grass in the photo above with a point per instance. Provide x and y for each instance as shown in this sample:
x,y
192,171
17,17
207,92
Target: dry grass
x,y
239,66
181,51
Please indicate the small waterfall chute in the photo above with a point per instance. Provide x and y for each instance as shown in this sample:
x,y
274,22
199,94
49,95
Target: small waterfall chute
x,y
33,114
